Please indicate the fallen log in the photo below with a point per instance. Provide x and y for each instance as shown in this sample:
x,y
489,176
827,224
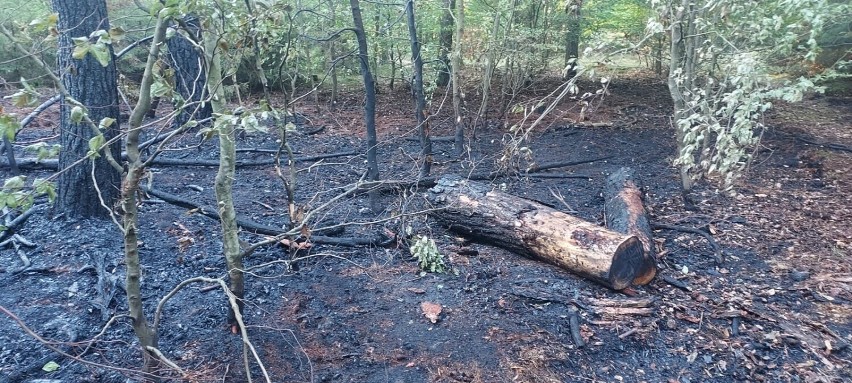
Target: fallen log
x,y
529,228
624,213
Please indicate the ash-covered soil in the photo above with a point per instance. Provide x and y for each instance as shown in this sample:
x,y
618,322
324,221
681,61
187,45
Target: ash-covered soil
x,y
777,309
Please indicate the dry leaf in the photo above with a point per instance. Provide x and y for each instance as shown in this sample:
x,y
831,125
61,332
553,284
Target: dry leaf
x,y
416,290
431,311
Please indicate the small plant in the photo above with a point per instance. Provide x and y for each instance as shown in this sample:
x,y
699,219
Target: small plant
x,y
426,252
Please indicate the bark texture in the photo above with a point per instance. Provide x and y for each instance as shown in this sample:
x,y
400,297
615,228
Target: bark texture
x,y
190,74
529,228
625,214
94,86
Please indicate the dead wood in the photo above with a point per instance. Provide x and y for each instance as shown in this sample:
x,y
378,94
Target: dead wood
x,y
629,306
259,228
676,283
13,225
717,250
574,326
529,228
624,213
51,164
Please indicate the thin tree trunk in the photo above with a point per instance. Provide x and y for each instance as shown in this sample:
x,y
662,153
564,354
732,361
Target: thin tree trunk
x,y
490,58
94,86
419,97
572,43
370,104
130,189
677,62
224,180
446,43
456,69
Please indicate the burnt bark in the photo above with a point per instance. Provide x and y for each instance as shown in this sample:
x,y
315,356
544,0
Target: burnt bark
x,y
190,72
94,86
529,228
625,214
370,103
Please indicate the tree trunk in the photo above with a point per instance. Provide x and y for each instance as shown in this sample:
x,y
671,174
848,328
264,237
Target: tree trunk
x,y
370,104
419,97
129,191
446,43
95,87
224,182
677,64
625,213
190,72
529,228
458,144
572,43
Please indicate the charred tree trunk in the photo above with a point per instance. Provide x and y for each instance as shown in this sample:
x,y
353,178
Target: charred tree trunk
x,y
419,97
529,228
370,104
446,44
190,72
625,213
95,87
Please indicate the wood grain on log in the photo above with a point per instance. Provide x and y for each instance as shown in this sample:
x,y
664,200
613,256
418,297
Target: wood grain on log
x,y
625,213
529,228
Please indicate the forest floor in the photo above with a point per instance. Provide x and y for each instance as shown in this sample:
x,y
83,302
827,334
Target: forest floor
x,y
778,308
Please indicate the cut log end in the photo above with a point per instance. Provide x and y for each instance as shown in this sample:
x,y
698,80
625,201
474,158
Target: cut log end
x,y
630,266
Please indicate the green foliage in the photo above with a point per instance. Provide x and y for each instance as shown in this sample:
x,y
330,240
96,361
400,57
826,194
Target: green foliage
x,y
9,125
426,252
43,151
16,194
736,60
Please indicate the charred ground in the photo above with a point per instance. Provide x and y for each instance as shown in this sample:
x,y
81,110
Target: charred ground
x,y
777,308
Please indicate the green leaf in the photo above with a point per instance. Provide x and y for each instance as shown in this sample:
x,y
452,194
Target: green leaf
x,y
23,98
44,187
116,33
101,53
95,144
45,22
14,183
80,51
9,125
160,89
50,366
105,123
77,114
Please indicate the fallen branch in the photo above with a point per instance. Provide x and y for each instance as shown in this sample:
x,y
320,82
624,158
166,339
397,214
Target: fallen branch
x,y
41,108
718,256
52,164
259,228
12,226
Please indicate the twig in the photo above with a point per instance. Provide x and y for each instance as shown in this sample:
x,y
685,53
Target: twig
x,y
165,360
628,333
717,251
50,345
574,325
12,226
676,283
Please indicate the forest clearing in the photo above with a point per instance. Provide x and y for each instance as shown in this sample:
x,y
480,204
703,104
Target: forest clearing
x,y
574,197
